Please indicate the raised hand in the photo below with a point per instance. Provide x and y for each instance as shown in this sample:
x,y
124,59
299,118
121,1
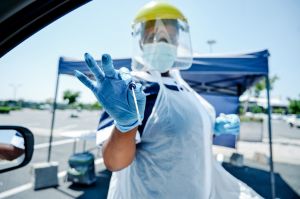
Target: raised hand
x,y
112,91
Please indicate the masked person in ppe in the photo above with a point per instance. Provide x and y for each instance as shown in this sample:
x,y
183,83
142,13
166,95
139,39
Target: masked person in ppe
x,y
174,156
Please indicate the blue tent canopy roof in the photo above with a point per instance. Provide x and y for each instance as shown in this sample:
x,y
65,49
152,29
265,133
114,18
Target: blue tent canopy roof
x,y
226,75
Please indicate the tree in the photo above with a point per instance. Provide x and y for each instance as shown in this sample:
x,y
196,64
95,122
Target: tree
x,y
294,106
256,90
71,96
261,85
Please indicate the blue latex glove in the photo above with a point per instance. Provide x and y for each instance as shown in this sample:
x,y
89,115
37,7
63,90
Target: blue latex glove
x,y
227,124
112,91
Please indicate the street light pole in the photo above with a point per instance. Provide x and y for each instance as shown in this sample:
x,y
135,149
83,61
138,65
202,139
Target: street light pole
x,y
210,43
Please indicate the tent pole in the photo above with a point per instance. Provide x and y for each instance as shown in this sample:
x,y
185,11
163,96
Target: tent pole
x,y
53,118
272,177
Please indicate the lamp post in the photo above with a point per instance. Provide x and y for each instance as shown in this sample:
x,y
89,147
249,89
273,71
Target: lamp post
x,y
210,43
15,89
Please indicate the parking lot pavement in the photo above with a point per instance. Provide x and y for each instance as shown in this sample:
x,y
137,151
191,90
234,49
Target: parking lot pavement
x,y
282,131
67,190
286,151
39,121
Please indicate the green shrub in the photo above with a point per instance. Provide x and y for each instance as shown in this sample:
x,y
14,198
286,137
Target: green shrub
x,y
5,109
256,109
278,110
241,110
250,119
294,106
96,106
15,108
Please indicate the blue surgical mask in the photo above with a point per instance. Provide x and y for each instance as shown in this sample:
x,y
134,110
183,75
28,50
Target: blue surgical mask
x,y
159,56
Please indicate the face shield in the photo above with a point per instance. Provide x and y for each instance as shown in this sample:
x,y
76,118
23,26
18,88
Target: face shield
x,y
161,45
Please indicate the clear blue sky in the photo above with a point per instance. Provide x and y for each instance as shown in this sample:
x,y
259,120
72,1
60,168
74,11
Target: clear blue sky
x,y
104,27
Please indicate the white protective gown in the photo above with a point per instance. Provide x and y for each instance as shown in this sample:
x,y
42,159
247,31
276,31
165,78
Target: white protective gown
x,y
174,159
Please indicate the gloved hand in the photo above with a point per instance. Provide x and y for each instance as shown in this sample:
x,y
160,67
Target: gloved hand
x,y
227,124
112,91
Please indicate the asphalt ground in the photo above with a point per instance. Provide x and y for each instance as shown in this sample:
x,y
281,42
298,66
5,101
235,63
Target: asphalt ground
x,y
39,121
65,127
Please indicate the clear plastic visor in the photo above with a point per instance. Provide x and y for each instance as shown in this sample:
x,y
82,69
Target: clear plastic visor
x,y
159,38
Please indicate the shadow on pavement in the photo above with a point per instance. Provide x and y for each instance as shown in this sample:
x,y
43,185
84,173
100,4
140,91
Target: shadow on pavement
x,y
259,180
99,189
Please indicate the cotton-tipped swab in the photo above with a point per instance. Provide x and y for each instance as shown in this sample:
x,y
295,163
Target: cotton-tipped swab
x,y
132,86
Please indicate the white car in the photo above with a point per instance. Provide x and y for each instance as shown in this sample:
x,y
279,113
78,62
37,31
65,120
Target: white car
x,y
294,121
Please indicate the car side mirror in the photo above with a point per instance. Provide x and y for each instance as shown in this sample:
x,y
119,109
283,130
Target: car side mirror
x,y
16,147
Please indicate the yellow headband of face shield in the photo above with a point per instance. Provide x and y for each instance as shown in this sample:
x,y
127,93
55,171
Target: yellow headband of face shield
x,y
158,10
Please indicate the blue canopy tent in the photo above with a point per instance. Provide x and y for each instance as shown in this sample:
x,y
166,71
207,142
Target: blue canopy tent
x,y
220,79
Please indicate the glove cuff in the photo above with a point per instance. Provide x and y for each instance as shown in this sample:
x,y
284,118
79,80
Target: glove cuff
x,y
126,128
